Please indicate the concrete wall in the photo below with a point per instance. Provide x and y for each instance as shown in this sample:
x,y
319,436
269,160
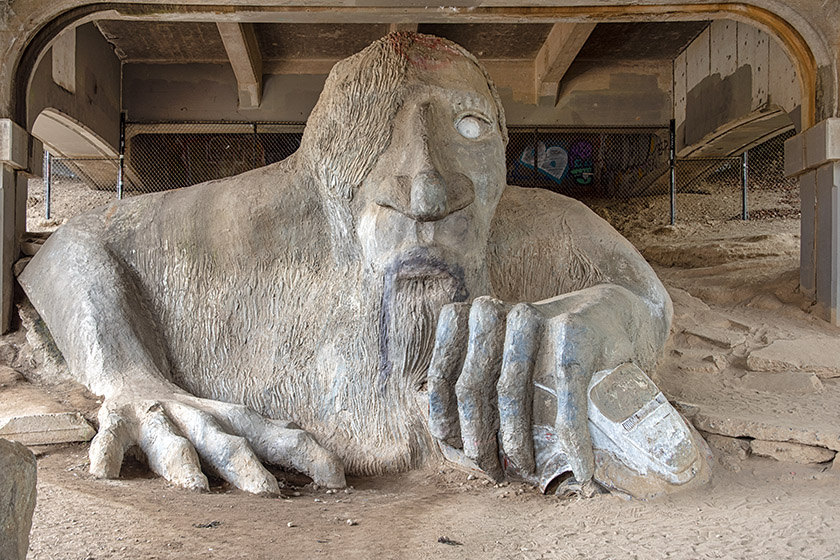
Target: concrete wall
x,y
732,74
96,101
595,94
177,92
590,94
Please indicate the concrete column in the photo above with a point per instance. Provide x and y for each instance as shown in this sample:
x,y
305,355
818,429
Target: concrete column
x,y
8,242
808,234
814,157
16,151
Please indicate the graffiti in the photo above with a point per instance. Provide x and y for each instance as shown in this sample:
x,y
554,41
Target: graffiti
x,y
552,162
581,166
589,162
636,161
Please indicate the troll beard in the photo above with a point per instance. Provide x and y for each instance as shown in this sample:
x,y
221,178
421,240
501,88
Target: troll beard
x,y
415,291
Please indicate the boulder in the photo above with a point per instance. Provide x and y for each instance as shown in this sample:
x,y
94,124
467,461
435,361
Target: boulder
x,y
17,499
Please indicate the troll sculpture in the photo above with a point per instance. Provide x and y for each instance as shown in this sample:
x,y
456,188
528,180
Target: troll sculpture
x,y
378,300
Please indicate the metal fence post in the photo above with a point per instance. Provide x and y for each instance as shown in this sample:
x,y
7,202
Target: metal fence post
x,y
536,151
47,181
672,138
256,138
121,163
745,170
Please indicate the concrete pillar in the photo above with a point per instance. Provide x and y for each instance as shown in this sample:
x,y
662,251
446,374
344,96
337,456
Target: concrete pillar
x,y
814,157
16,149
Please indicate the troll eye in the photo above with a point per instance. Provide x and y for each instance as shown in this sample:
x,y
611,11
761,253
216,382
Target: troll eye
x,y
471,126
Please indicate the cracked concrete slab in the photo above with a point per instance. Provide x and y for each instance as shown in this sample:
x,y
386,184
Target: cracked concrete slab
x,y
820,355
30,416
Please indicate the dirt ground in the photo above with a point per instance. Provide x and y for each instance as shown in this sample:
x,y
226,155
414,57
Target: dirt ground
x,y
738,279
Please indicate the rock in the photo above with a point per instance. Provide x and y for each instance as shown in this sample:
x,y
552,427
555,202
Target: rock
x,y
699,361
20,265
8,378
818,354
728,451
719,337
17,499
686,409
32,417
42,429
8,353
733,424
30,247
791,452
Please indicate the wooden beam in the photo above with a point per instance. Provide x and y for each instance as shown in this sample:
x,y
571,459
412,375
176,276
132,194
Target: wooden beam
x,y
560,49
244,55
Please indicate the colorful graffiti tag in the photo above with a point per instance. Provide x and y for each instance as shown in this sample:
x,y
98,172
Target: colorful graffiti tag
x,y
584,163
581,167
552,162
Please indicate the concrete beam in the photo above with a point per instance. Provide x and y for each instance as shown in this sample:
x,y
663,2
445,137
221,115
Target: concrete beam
x,y
14,145
560,49
244,54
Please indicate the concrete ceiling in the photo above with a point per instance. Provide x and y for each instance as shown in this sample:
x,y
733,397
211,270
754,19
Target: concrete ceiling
x,y
147,41
640,41
501,41
160,41
530,58
283,41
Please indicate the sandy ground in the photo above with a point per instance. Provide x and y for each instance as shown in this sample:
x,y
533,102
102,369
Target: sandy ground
x,y
736,277
68,198
767,510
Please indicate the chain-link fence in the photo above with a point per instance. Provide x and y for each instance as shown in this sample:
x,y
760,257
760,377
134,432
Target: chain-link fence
x,y
771,194
590,163
752,186
619,169
162,156
709,189
70,186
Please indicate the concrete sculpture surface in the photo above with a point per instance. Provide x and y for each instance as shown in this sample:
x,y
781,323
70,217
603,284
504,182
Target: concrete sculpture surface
x,y
378,298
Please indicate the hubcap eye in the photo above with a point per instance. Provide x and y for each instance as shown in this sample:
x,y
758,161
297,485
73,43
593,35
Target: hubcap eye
x,y
470,126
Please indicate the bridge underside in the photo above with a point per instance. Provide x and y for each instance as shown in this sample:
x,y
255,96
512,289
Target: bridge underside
x,y
728,84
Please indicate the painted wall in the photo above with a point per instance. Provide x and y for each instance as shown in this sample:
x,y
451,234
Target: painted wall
x,y
733,74
96,101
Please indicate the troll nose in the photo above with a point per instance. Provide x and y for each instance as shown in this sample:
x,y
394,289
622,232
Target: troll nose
x,y
428,196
